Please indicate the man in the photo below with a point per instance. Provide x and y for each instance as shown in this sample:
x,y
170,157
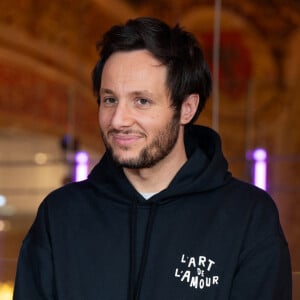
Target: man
x,y
160,216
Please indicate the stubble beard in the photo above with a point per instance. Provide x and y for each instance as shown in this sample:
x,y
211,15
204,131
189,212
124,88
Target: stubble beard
x,y
151,154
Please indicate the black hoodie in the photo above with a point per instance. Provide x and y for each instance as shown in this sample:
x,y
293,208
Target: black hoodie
x,y
207,236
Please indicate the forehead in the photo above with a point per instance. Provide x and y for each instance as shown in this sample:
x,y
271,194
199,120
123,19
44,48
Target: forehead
x,y
142,56
130,67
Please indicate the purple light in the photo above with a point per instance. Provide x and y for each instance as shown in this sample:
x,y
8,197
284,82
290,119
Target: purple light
x,y
260,168
81,166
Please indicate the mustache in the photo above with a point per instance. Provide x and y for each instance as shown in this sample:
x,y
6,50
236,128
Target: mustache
x,y
125,132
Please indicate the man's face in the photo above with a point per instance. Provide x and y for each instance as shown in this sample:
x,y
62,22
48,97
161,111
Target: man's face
x,y
137,122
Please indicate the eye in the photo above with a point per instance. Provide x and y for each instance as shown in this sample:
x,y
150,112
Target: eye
x,y
109,101
143,101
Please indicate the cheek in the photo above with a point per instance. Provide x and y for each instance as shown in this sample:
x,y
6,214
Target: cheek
x,y
104,116
102,120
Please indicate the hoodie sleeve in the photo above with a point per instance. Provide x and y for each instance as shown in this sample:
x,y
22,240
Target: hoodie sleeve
x,y
265,274
34,278
264,271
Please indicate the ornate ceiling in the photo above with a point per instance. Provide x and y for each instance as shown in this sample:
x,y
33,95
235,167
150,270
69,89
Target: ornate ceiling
x,y
75,24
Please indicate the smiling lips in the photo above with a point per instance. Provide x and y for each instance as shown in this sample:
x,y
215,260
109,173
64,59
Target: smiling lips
x,y
125,138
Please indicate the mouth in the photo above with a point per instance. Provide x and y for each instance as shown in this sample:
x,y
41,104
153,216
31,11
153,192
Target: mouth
x,y
125,139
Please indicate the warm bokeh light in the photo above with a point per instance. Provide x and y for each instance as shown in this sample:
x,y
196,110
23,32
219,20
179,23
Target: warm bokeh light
x,y
6,290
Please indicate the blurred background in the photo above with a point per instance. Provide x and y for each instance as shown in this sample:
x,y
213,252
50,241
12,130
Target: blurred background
x,y
48,113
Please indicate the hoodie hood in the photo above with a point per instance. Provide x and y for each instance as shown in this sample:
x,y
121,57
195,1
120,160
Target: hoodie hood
x,y
206,169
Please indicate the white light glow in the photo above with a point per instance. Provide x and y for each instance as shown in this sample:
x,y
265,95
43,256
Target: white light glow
x,y
260,168
81,166
2,200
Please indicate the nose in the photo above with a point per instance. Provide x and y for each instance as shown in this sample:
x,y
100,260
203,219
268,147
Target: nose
x,y
122,116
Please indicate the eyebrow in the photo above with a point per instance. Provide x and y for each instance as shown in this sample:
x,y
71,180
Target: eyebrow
x,y
134,93
107,91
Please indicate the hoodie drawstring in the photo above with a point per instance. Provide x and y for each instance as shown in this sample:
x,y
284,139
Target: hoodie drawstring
x,y
135,288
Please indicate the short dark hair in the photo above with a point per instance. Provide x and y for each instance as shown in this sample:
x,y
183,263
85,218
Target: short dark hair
x,y
177,49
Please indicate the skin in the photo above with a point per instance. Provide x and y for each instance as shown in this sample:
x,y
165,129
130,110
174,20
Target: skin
x,y
138,123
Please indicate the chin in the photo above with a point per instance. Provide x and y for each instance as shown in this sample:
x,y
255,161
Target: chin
x,y
124,160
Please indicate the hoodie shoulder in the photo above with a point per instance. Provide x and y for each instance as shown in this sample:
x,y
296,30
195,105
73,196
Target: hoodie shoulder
x,y
257,208
68,196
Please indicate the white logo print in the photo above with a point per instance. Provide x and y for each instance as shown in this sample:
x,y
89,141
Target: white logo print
x,y
197,271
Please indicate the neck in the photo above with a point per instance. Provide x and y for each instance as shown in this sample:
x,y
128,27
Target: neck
x,y
158,177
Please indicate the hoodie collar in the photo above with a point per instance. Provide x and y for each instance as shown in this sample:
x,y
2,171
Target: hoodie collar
x,y
205,169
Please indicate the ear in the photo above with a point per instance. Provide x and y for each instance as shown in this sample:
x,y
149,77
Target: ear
x,y
189,108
